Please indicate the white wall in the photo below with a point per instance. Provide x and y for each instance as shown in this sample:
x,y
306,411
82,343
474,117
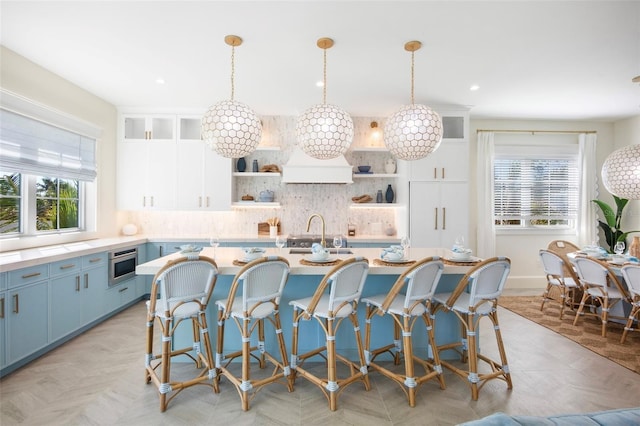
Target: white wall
x,y
627,132
27,79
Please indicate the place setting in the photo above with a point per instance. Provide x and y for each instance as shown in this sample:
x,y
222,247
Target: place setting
x,y
395,255
249,254
319,257
461,255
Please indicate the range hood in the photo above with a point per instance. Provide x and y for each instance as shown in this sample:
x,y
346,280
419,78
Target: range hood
x,y
302,168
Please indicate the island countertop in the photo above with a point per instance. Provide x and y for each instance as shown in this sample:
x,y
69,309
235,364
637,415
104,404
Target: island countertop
x,y
225,256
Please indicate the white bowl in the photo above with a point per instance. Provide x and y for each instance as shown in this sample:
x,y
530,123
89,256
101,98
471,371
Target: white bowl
x,y
394,255
252,253
320,255
461,255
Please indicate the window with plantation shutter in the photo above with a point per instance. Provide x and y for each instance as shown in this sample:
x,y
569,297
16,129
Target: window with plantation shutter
x,y
534,192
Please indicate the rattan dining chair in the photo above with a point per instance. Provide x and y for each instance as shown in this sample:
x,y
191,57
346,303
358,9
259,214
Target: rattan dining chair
x,y
180,291
601,288
476,296
631,275
345,282
556,272
254,297
408,300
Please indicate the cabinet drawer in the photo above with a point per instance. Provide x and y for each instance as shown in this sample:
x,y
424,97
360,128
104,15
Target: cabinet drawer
x,y
28,275
65,267
94,260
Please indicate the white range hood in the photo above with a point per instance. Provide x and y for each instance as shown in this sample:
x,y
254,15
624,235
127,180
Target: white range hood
x,y
302,168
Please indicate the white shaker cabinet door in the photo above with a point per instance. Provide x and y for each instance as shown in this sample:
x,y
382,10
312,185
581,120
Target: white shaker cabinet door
x,y
438,213
450,162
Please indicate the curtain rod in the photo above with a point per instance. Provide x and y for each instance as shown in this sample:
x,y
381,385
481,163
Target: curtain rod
x,y
536,131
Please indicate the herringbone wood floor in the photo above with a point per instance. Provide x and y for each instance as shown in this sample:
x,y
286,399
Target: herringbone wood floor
x,y
98,379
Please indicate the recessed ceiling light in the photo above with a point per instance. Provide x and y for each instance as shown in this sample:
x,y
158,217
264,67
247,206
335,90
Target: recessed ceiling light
x,y
474,87
159,80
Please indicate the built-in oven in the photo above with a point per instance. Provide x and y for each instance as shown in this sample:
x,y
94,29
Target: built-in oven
x,y
122,265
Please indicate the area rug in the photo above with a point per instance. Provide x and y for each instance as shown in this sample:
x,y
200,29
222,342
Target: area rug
x,y
586,332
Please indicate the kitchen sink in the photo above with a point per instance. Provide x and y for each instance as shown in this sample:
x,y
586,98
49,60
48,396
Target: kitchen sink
x,y
308,251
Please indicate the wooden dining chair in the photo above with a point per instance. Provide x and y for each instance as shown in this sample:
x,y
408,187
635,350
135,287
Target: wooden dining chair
x,y
631,275
601,288
408,301
476,296
556,272
180,291
253,299
344,283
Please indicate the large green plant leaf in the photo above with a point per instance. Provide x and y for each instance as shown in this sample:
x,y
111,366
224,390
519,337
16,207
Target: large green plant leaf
x,y
608,213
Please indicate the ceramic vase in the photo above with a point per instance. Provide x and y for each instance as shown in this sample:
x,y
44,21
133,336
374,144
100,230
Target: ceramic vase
x,y
389,195
241,164
390,166
379,196
634,248
255,166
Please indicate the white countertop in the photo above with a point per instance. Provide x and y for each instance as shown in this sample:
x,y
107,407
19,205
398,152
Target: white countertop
x,y
224,257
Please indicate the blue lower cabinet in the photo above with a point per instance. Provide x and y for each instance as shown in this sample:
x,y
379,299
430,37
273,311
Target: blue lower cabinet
x,y
27,317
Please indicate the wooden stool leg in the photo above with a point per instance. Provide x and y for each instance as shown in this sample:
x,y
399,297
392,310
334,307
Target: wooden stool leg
x,y
283,350
245,386
363,361
473,356
165,386
585,296
428,321
294,346
208,352
605,316
629,326
410,379
149,356
503,354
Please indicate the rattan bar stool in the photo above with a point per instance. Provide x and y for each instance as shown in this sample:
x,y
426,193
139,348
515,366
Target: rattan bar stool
x,y
261,283
556,272
408,300
181,291
345,282
476,296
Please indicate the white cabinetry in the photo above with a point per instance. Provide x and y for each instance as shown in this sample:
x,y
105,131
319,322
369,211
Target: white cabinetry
x,y
438,187
204,177
146,168
438,213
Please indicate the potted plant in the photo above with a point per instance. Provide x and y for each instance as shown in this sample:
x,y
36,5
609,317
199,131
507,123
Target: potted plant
x,y
611,225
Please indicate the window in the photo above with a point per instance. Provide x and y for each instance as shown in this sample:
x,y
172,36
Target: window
x,y
536,187
47,169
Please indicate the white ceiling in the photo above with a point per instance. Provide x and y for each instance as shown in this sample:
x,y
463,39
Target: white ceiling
x,y
532,59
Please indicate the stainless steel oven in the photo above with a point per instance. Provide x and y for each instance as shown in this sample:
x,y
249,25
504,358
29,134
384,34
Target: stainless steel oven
x,y
122,265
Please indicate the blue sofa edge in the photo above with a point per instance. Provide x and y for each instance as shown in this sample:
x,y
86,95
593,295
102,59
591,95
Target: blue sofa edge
x,y
617,417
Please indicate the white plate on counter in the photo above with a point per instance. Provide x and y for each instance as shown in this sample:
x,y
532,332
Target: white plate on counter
x,y
396,260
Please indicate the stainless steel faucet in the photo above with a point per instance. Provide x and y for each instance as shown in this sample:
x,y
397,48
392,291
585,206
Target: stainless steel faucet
x,y
323,243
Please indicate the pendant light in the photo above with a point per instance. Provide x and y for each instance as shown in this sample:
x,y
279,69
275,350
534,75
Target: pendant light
x,y
324,131
231,128
621,172
414,131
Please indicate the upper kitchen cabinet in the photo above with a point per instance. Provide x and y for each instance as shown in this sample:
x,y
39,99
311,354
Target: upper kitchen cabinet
x,y
149,127
204,177
146,157
450,161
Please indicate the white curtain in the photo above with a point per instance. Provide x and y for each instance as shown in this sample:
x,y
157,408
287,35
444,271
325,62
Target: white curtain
x,y
486,233
587,218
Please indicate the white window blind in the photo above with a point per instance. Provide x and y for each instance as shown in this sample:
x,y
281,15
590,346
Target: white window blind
x,y
34,147
532,191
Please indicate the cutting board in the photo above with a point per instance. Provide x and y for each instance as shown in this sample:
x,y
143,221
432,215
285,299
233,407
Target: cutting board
x,y
263,228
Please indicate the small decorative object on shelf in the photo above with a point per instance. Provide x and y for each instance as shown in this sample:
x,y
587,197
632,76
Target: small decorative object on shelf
x,y
389,196
390,166
390,230
241,164
379,196
255,166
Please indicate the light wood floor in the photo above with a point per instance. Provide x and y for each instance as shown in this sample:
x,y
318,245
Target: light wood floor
x,y
98,379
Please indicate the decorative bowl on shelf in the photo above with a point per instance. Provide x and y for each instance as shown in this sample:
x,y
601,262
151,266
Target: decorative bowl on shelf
x,y
364,169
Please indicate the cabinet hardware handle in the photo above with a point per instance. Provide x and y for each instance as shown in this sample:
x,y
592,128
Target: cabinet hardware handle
x,y
207,201
67,266
444,218
95,259
436,221
16,304
2,308
35,274
443,173
86,280
144,201
151,201
161,251
123,289
435,173
77,283
200,201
